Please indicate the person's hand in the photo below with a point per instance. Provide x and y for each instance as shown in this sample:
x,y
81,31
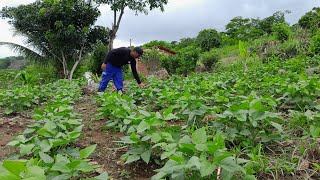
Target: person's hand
x,y
103,66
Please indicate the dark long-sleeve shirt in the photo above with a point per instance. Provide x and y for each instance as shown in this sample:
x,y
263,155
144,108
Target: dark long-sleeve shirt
x,y
121,56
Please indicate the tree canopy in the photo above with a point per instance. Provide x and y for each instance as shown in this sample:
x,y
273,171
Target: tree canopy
x,y
118,8
60,32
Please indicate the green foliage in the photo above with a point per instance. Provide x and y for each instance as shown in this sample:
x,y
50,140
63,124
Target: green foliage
x,y
151,58
19,98
314,47
66,34
184,62
281,31
156,43
48,142
311,20
209,59
185,42
267,23
208,39
25,78
97,58
42,74
240,28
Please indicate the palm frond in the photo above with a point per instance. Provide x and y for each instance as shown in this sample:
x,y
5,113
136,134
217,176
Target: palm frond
x,y
22,50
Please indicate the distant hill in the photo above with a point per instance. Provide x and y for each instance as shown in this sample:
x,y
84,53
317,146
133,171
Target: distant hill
x,y
12,62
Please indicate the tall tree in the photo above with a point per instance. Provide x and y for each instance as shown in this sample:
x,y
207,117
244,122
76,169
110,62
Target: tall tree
x,y
311,20
59,31
277,17
118,8
243,28
208,39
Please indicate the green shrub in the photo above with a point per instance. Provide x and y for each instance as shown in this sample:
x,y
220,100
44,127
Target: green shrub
x,y
151,58
209,59
208,39
183,62
314,47
97,58
281,31
42,74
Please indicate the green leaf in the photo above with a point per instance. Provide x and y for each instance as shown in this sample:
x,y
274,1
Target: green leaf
x,y
199,136
206,168
8,176
132,158
194,162
46,158
146,156
34,172
229,165
201,147
84,153
156,137
243,52
103,176
145,113
26,149
60,166
15,166
142,127
277,126
249,177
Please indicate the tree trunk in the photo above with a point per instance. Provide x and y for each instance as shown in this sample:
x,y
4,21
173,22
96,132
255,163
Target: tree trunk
x,y
115,27
112,36
76,64
73,69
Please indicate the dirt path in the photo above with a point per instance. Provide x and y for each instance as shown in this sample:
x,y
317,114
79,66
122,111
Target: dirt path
x,y
10,127
108,152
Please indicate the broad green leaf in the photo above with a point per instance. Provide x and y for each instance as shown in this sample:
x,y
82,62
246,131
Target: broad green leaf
x,y
45,146
26,149
229,165
46,158
243,52
132,158
84,153
156,137
60,166
34,172
15,166
199,136
194,162
145,113
103,176
249,177
8,176
142,127
146,156
277,126
206,168
201,147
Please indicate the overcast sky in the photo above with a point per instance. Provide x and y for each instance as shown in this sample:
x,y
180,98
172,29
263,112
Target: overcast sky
x,y
181,18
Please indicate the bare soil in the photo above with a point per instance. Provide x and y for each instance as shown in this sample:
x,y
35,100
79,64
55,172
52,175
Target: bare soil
x,y
108,152
10,127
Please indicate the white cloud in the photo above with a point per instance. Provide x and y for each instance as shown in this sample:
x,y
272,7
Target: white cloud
x,y
181,18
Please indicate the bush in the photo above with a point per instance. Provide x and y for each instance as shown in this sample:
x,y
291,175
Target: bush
x,y
209,59
97,58
281,31
42,74
151,58
314,47
183,62
208,39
